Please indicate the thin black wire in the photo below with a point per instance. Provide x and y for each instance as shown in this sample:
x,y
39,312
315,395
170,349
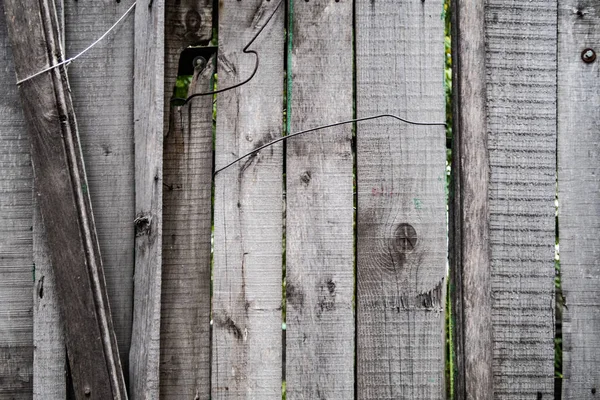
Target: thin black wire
x,y
324,127
245,51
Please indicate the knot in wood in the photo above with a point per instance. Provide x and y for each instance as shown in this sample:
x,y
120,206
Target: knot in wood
x,y
405,238
193,21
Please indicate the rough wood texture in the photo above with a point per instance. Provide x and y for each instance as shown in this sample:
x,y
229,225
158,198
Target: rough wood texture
x,y
521,102
101,86
401,232
319,232
16,263
185,309
62,193
248,206
148,132
470,254
49,357
579,196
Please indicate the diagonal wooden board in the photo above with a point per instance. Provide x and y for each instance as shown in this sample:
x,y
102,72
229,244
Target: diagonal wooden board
x,y
63,198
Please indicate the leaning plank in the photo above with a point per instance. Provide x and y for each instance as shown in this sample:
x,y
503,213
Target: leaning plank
x,y
319,239
470,246
101,87
401,221
148,92
248,206
188,160
16,262
579,195
63,198
521,104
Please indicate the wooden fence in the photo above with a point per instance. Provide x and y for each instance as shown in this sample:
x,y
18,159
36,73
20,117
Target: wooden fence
x,y
338,236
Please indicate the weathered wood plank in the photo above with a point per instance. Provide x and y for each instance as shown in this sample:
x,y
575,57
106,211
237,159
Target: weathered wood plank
x,y
469,215
521,104
62,193
319,231
248,206
16,262
579,196
101,86
148,109
401,232
49,357
187,220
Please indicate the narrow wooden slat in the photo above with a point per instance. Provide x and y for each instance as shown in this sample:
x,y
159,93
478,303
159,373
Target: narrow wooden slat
x,y
16,262
401,215
579,196
101,86
188,160
469,216
521,106
246,354
62,193
319,232
148,100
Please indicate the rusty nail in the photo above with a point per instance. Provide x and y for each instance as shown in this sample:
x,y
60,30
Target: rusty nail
x,y
588,56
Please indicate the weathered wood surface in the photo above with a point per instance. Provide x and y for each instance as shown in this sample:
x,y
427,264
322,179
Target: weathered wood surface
x,y
16,262
148,92
401,236
579,196
521,103
49,357
319,231
187,220
246,354
469,228
101,85
62,193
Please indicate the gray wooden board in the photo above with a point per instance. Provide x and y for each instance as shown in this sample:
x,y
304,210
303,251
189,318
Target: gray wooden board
x,y
101,86
49,357
319,210
16,262
144,354
185,308
470,287
401,268
579,196
521,103
246,354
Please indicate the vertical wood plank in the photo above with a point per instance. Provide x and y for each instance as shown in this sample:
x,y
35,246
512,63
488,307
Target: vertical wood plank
x,y
246,360
188,160
401,215
469,215
521,104
16,263
579,196
148,109
102,85
319,231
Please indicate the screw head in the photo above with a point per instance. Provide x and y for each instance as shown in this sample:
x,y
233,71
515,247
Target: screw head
x,y
588,56
199,63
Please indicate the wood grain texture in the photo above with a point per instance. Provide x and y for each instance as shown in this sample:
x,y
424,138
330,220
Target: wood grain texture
x,y
246,355
401,215
62,194
49,357
579,196
101,85
144,354
319,231
521,103
187,226
469,231
16,262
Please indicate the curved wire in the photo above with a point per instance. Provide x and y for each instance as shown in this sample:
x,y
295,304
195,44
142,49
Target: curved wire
x,y
245,50
324,127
